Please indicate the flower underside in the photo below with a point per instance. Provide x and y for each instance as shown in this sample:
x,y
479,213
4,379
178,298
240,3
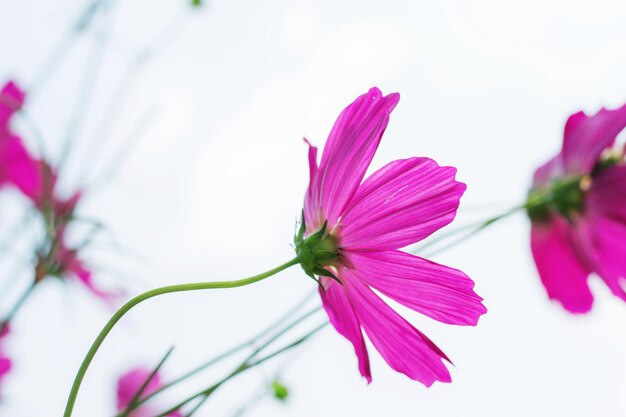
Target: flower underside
x,y
563,196
317,251
566,196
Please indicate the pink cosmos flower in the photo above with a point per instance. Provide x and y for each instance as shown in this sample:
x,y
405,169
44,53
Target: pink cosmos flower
x,y
5,362
352,233
577,207
17,167
130,383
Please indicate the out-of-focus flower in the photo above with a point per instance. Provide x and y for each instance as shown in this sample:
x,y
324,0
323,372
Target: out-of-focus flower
x,y
38,181
577,207
5,361
352,232
130,383
57,258
17,167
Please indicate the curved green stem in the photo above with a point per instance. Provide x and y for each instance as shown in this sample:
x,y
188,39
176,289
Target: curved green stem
x,y
71,400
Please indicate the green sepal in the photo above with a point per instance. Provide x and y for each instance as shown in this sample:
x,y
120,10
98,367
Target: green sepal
x,y
325,273
316,251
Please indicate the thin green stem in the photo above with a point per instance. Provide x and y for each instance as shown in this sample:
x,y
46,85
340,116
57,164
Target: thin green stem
x,y
244,366
228,353
251,342
137,397
16,307
82,370
473,228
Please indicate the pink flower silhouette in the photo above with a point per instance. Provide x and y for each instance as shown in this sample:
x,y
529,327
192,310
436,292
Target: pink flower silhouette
x,y
130,383
5,361
354,231
17,167
577,207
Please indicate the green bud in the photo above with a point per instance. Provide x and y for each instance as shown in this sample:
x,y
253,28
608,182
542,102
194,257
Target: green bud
x,y
280,391
196,3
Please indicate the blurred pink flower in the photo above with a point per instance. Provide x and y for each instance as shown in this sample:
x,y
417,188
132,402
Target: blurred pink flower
x,y
366,225
61,260
130,383
38,181
577,207
17,167
5,361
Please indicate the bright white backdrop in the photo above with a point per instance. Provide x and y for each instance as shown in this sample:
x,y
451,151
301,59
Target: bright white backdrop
x,y
212,189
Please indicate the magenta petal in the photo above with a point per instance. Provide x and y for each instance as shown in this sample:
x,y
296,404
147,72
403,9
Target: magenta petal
x,y
18,168
561,271
400,204
548,171
585,138
343,317
5,366
5,362
403,347
349,150
607,195
85,276
437,291
11,100
311,211
604,241
129,383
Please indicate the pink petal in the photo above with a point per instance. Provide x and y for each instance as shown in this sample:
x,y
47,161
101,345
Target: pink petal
x,y
77,267
129,383
548,171
312,213
400,204
343,317
11,100
443,293
5,362
5,366
604,241
349,150
403,347
17,167
585,138
607,195
561,270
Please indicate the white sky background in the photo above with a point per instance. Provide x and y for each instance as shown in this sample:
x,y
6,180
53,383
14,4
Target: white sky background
x,y
212,189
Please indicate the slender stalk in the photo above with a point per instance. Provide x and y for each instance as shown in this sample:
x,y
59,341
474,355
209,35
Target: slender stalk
x,y
137,397
82,370
251,342
65,45
87,86
16,307
473,228
244,366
